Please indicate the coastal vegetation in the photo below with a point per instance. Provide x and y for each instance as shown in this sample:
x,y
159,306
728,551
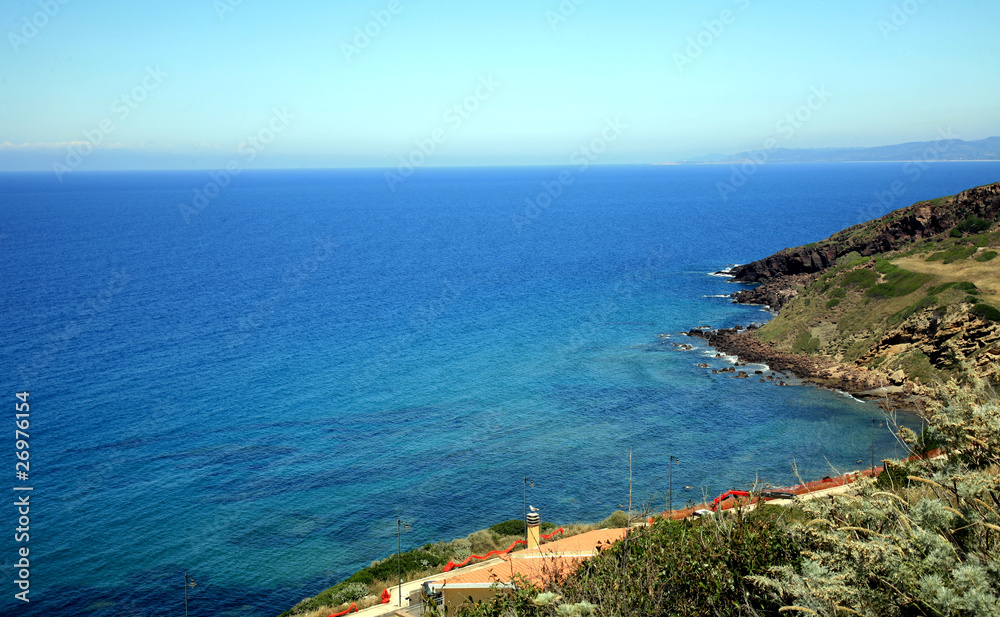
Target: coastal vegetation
x,y
908,299
364,586
922,539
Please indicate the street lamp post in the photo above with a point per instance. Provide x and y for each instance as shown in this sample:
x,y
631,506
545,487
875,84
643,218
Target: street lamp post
x,y
873,447
670,492
400,527
524,516
188,582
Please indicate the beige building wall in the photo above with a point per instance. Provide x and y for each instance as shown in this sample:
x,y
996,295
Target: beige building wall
x,y
453,598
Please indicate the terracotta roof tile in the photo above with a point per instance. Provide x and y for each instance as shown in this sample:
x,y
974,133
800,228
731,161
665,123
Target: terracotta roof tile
x,y
555,559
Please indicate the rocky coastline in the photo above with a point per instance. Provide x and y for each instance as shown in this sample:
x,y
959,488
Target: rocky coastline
x,y
893,389
882,309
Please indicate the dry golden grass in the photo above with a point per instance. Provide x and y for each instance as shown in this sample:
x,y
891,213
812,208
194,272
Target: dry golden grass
x,y
985,275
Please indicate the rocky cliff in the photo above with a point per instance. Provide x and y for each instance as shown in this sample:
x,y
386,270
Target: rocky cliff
x,y
885,306
891,232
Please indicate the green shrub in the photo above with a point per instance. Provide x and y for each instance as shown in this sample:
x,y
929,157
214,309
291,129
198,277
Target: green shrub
x,y
985,311
617,520
862,278
964,286
884,266
901,552
513,527
351,592
838,292
851,259
691,567
955,253
898,283
986,256
516,527
805,343
832,302
972,225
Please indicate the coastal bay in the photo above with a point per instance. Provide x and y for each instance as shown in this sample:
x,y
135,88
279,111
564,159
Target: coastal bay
x,y
268,388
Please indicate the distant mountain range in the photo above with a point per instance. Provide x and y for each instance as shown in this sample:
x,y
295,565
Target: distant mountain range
x,y
941,150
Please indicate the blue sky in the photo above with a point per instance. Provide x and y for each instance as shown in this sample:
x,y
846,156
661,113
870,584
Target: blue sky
x,y
190,83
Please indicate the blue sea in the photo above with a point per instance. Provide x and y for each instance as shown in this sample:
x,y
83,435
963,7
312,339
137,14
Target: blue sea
x,y
252,386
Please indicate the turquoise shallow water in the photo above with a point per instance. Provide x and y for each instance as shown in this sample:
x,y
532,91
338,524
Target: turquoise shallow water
x,y
254,396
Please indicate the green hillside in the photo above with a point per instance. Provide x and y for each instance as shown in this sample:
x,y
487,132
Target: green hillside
x,y
929,305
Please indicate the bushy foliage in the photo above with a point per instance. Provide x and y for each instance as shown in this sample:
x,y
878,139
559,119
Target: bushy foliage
x,y
898,282
617,520
351,592
924,539
955,253
691,567
517,527
987,312
926,549
986,256
862,278
805,343
973,225
963,285
512,527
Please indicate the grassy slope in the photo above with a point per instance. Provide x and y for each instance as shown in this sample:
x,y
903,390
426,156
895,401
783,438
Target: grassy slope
x,y
849,308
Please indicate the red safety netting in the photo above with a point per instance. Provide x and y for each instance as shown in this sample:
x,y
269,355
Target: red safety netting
x,y
353,608
452,565
731,499
554,533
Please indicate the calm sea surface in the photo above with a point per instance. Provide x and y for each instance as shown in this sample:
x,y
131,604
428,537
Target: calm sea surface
x,y
254,388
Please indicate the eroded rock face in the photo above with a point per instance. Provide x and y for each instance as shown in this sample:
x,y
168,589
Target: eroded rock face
x,y
948,340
